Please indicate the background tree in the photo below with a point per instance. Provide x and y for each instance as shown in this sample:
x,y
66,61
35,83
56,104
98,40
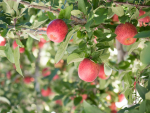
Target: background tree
x,y
53,67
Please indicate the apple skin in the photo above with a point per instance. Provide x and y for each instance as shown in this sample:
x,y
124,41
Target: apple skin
x,y
46,72
2,41
56,77
21,49
8,74
102,73
120,97
125,33
144,20
57,30
115,18
84,97
28,80
113,111
88,70
46,92
59,102
113,106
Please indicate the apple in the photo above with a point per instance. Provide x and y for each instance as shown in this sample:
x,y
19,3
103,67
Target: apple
x,y
59,102
113,111
57,30
46,72
125,33
88,70
28,80
135,85
2,41
59,64
15,45
56,77
8,74
115,18
113,106
46,92
144,20
84,97
102,73
121,97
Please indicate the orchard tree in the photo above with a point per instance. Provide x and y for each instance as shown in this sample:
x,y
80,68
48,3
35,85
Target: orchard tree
x,y
74,56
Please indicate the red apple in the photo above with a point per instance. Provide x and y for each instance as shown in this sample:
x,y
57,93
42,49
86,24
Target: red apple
x,y
88,70
28,80
46,72
59,64
2,41
125,33
113,106
15,45
121,97
46,92
144,20
57,30
59,102
56,77
102,73
113,111
8,74
115,18
84,97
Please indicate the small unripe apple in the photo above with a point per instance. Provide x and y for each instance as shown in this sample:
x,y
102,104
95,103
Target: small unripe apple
x,y
2,41
88,70
102,74
21,49
121,97
46,72
28,80
125,33
113,106
46,92
115,18
57,30
144,20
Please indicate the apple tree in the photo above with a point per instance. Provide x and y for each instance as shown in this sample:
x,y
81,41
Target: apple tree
x,y
74,56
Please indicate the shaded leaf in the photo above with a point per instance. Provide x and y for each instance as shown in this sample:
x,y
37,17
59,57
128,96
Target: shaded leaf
x,y
9,53
141,90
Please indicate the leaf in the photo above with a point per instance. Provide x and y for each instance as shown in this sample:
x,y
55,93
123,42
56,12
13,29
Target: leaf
x,y
70,49
107,69
143,34
90,109
66,100
81,6
63,45
17,58
130,108
34,37
147,96
136,14
9,53
145,15
141,90
30,56
29,43
57,97
148,83
74,58
142,107
77,100
118,10
2,53
4,99
19,43
51,16
133,46
37,24
4,33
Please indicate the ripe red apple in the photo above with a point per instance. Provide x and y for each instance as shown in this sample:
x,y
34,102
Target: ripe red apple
x,y
102,73
15,45
8,74
46,72
125,33
88,70
46,92
113,111
28,80
121,97
115,18
144,20
59,102
2,41
56,77
113,106
57,30
84,97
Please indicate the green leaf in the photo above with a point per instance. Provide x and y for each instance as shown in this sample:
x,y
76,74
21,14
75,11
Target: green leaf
x,y
4,99
51,16
133,46
147,96
66,100
136,14
4,33
2,47
141,90
33,36
9,53
30,56
29,43
118,10
57,97
19,43
77,100
2,53
143,34
63,45
142,107
107,69
17,58
148,87
90,109
70,49
81,6
130,108
74,57
37,24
